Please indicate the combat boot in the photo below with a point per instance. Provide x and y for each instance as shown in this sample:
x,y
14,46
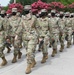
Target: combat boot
x,y
45,57
54,52
19,55
4,61
20,46
68,44
28,69
14,59
8,50
33,63
61,49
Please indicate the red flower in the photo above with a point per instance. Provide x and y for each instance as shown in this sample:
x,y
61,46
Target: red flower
x,y
15,5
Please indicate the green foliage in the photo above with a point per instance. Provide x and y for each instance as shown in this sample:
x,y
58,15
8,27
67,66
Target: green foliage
x,y
5,8
24,2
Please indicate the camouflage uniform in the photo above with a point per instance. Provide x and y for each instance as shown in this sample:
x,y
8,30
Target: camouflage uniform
x,y
73,25
29,38
61,23
7,33
16,30
54,33
42,27
68,23
19,16
2,46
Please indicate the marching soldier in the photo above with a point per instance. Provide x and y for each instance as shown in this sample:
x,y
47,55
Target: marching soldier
x,y
2,40
6,30
29,37
43,30
68,23
54,32
61,23
72,17
16,30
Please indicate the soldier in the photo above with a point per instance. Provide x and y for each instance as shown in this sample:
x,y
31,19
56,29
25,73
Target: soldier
x,y
61,23
2,39
16,30
72,17
6,29
42,27
19,16
54,32
68,23
29,37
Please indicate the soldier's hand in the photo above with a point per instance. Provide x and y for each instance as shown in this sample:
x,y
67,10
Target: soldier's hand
x,y
16,37
8,40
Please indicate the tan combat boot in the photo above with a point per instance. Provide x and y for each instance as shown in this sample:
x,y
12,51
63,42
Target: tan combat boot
x,y
45,57
33,63
68,44
54,52
28,69
8,50
61,49
14,60
20,46
4,61
19,55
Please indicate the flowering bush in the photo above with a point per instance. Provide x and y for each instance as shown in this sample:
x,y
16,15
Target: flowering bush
x,y
57,5
14,5
37,6
71,7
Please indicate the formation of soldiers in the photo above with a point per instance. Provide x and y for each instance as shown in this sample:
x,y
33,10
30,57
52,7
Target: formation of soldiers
x,y
42,29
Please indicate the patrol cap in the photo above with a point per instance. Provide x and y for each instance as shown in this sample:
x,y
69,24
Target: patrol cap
x,y
72,14
27,7
14,9
43,10
53,11
61,12
3,11
67,13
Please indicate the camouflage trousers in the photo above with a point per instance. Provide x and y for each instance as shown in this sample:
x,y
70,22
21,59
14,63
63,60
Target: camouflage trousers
x,y
45,42
30,45
2,46
62,38
69,34
54,40
16,44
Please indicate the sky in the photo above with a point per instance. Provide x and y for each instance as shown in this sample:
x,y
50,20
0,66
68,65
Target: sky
x,y
4,2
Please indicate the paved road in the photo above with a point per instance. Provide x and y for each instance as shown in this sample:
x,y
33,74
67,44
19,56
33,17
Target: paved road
x,y
61,64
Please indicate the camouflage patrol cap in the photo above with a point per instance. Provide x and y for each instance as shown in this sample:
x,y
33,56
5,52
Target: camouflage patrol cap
x,y
72,14
27,7
67,13
3,11
53,11
61,12
43,10
14,9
